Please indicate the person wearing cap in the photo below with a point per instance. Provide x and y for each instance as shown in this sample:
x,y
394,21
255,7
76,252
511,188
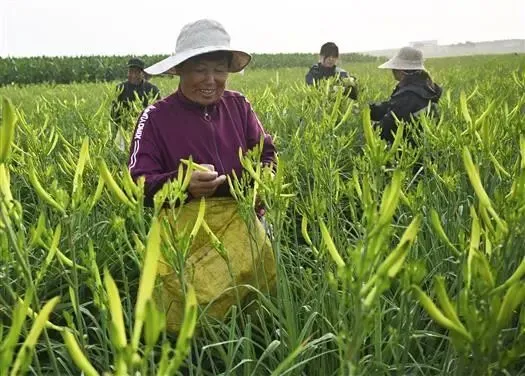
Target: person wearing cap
x,y
414,95
205,121
327,68
135,88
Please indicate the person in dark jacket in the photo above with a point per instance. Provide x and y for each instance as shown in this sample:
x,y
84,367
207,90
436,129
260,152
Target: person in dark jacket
x,y
414,95
327,68
135,88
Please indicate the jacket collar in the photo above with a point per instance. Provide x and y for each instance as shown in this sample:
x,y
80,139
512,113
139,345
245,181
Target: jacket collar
x,y
422,88
326,70
141,84
188,103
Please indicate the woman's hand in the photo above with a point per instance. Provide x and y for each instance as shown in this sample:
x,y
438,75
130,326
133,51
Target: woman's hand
x,y
205,183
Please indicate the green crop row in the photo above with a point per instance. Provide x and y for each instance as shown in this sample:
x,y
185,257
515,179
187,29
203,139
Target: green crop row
x,y
378,273
63,70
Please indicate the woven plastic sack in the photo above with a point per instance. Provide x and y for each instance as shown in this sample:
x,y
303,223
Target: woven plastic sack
x,y
217,283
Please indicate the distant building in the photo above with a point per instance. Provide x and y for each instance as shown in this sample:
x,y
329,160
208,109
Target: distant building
x,y
431,48
424,43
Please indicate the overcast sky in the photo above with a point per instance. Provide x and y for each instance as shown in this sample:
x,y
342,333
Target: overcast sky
x,y
96,27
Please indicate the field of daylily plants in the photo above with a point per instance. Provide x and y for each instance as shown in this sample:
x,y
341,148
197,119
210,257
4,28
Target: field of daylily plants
x,y
380,272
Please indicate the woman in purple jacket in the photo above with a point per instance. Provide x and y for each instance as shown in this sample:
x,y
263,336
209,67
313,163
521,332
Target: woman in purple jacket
x,y
201,118
209,123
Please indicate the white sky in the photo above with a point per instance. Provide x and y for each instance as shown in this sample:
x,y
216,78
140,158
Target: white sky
x,y
117,27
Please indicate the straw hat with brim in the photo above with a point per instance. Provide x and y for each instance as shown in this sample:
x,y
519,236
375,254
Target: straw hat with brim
x,y
197,38
408,58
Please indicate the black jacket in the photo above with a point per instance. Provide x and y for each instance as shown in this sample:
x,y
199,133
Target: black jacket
x,y
410,98
127,94
318,72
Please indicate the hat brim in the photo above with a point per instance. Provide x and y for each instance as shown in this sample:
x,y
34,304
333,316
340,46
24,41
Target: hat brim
x,y
400,64
240,60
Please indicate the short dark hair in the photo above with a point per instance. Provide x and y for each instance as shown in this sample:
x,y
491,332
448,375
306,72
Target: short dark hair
x,y
329,49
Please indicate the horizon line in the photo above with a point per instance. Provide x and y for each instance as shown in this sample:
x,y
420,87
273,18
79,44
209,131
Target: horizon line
x,y
362,52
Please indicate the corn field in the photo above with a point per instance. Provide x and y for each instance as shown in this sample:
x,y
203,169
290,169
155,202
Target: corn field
x,y
380,272
63,70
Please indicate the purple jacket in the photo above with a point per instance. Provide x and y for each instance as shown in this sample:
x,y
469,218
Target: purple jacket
x,y
175,128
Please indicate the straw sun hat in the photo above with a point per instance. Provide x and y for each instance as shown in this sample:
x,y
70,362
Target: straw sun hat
x,y
198,38
407,58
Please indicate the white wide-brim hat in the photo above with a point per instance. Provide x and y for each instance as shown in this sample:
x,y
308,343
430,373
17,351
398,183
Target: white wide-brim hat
x,y
407,58
197,38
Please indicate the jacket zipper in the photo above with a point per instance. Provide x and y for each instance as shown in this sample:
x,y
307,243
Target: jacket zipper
x,y
207,117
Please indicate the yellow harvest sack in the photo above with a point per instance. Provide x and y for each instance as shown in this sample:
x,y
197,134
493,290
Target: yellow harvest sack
x,y
248,251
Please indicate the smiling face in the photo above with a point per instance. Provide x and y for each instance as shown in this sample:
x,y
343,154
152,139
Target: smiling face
x,y
203,78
